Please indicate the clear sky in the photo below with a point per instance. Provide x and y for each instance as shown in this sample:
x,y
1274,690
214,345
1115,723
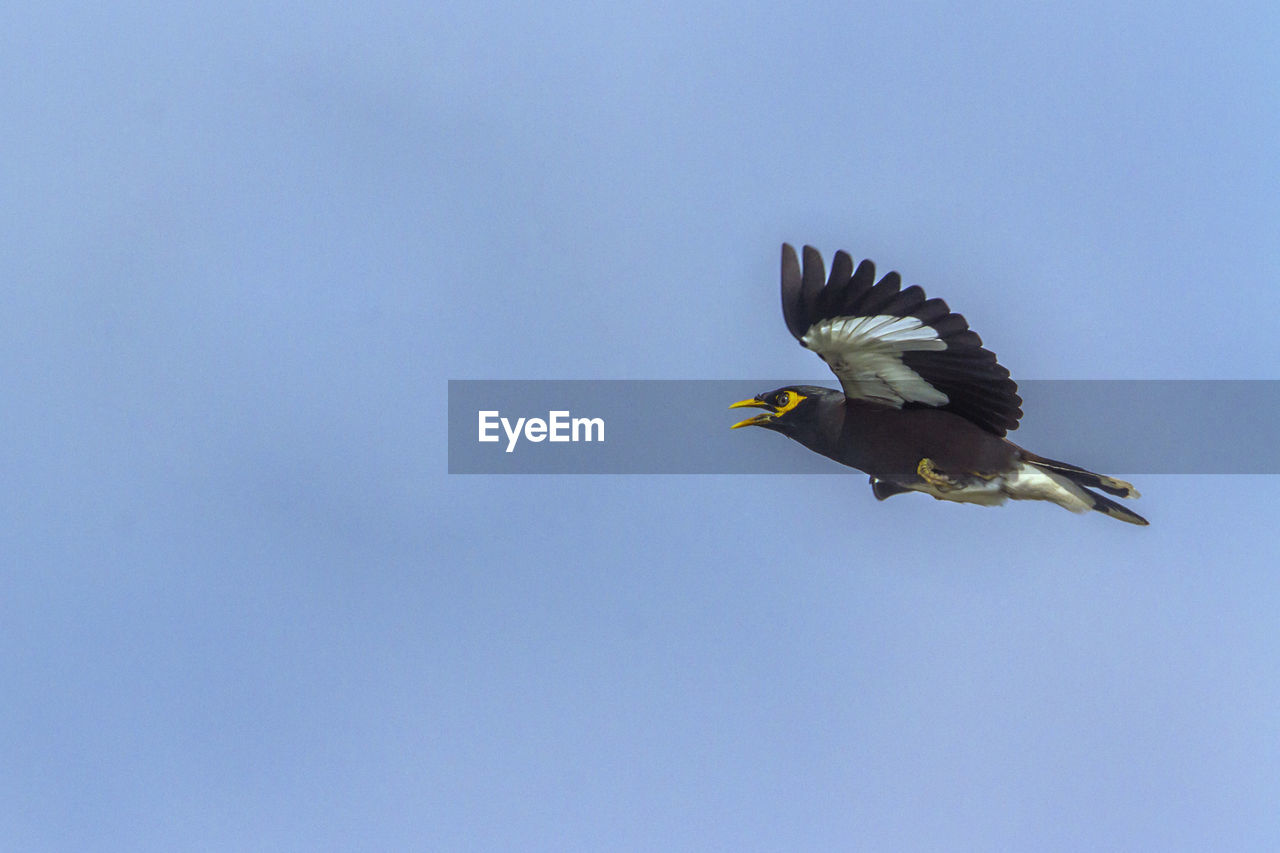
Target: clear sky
x,y
244,607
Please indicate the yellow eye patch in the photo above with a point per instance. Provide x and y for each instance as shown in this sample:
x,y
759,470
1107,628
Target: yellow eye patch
x,y
786,401
778,404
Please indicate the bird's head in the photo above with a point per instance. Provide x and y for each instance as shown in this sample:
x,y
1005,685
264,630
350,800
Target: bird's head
x,y
783,409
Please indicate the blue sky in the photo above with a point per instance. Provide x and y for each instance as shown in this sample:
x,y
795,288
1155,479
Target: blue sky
x,y
245,607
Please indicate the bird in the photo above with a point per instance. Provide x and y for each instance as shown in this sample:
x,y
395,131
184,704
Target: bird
x,y
924,406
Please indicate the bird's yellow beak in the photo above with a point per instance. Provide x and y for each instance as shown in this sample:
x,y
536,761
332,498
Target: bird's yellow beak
x,y
754,420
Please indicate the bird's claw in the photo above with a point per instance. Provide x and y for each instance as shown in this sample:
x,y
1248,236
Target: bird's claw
x,y
933,477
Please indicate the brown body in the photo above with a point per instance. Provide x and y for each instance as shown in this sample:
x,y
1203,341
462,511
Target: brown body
x,y
888,443
930,450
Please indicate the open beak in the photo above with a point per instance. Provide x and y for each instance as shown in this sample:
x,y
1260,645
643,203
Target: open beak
x,y
754,420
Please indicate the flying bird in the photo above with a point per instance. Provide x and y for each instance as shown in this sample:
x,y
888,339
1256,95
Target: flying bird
x,y
924,407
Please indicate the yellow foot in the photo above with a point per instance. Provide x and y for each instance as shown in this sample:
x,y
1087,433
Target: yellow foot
x,y
933,477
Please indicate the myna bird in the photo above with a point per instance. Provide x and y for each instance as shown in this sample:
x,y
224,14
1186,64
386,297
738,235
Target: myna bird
x,y
925,407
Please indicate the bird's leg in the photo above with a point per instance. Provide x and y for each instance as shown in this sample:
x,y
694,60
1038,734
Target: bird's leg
x,y
933,477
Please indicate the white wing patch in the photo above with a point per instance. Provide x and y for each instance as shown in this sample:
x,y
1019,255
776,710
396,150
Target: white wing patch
x,y
865,353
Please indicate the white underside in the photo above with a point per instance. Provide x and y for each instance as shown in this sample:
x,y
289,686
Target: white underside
x,y
1026,483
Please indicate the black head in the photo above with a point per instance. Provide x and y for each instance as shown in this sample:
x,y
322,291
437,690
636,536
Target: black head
x,y
784,408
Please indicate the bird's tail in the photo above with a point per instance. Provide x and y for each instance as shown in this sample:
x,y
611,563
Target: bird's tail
x,y
1114,509
1088,480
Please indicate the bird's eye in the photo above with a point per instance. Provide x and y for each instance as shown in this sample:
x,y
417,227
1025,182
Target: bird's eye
x,y
782,399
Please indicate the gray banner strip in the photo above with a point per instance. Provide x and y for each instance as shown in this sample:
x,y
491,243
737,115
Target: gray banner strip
x,y
682,427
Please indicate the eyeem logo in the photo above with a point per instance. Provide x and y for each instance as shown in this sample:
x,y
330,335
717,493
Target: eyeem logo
x,y
557,427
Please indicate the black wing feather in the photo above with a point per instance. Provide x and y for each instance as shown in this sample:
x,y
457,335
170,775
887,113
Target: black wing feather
x,y
907,302
880,295
814,279
976,386
792,297
841,270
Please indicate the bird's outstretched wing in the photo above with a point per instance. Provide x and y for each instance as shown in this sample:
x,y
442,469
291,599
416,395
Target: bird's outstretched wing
x,y
894,346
